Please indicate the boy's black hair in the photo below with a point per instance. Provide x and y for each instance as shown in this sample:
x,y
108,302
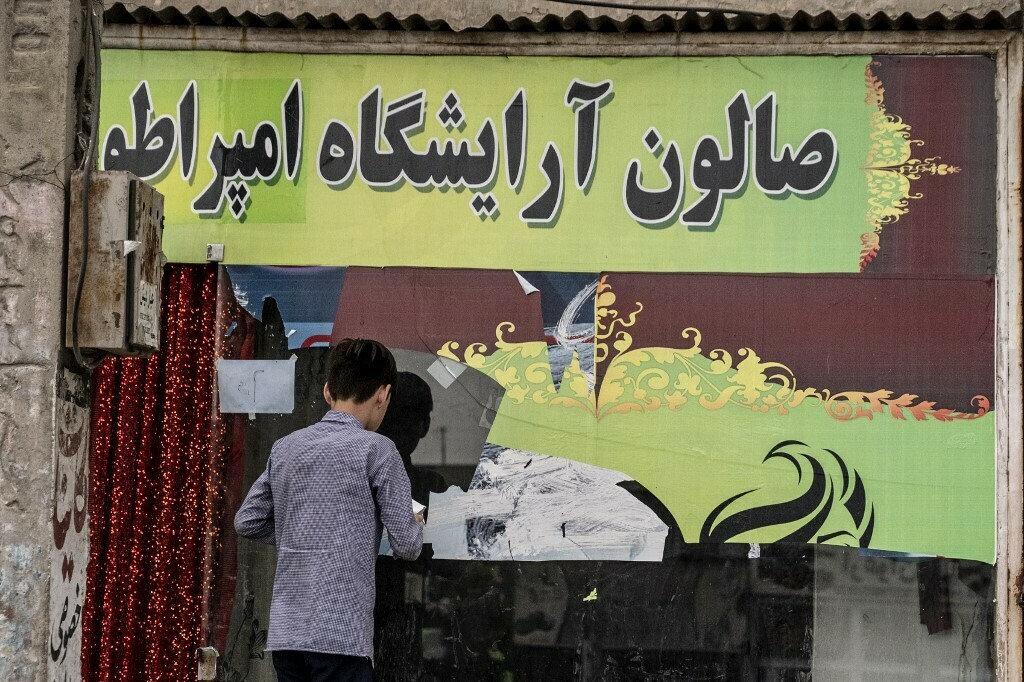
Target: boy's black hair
x,y
358,367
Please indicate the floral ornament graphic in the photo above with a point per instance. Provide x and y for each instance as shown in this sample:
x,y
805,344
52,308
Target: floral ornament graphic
x,y
647,379
890,167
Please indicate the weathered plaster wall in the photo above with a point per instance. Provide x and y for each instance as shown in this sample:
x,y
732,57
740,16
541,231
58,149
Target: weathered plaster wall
x,y
475,13
39,55
70,536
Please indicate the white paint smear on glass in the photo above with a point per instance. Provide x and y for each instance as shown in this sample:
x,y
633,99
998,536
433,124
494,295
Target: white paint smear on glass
x,y
528,507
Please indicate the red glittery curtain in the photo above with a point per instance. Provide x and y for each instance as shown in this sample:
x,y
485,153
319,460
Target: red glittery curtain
x,y
152,462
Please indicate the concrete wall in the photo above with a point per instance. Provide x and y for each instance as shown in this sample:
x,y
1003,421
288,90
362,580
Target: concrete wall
x,y
39,54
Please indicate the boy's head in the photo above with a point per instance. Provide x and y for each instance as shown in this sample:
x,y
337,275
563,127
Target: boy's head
x,y
363,372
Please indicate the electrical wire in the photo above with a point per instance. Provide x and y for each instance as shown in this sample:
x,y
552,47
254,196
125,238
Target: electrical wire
x,y
90,158
657,8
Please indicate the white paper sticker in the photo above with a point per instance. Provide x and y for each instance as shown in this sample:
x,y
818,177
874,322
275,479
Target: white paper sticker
x,y
256,386
215,252
445,371
147,314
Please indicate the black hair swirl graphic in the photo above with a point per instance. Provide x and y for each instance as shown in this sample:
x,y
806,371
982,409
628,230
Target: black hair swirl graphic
x,y
833,509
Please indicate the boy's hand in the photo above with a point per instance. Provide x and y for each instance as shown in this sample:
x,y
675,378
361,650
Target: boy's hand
x,y
419,517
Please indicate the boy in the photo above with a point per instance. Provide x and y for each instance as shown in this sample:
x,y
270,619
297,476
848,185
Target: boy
x,y
322,499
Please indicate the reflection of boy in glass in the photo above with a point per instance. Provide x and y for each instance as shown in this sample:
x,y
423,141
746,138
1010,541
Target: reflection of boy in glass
x,y
398,611
406,423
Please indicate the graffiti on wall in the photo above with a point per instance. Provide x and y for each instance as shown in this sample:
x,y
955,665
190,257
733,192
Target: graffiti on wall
x,y
70,528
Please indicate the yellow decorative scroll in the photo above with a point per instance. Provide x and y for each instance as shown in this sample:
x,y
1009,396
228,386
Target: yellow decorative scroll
x,y
646,379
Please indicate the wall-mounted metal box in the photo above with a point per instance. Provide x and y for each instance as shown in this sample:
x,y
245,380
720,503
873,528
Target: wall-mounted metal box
x,y
120,305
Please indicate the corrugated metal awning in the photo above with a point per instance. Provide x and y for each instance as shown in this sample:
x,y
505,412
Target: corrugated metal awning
x,y
575,21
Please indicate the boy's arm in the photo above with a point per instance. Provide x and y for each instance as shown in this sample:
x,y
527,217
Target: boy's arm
x,y
255,518
393,494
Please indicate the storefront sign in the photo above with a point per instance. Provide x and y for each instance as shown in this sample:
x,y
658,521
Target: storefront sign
x,y
760,289
654,164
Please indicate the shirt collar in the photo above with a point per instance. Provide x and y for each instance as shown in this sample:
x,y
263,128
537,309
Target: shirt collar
x,y
342,418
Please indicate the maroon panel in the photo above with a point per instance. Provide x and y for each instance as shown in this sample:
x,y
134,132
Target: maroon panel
x,y
423,308
929,336
236,340
949,103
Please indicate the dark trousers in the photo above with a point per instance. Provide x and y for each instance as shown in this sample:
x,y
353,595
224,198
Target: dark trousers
x,y
306,666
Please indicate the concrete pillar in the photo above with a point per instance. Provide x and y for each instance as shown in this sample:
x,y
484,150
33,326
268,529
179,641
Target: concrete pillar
x,y
41,73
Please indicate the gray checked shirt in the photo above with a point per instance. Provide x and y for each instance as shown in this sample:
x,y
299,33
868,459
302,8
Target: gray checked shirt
x,y
326,491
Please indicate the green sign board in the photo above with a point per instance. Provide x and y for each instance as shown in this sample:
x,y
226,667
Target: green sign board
x,y
569,164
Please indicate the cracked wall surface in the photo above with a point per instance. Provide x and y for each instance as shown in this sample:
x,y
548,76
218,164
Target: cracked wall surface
x,y
39,53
